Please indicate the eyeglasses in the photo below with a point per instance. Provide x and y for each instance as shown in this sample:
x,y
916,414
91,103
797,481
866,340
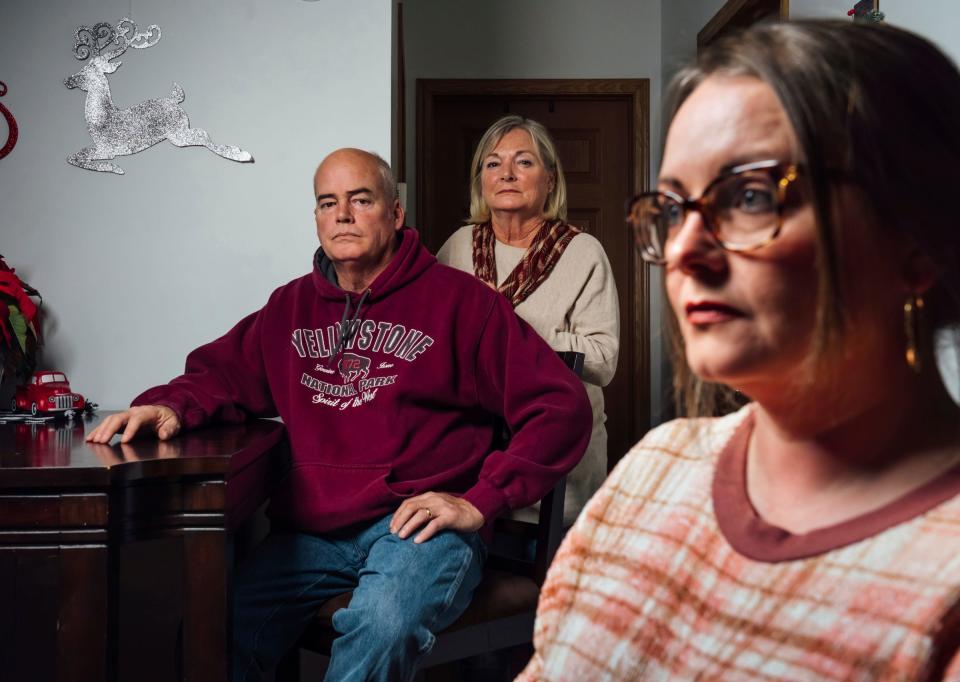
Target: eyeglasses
x,y
742,209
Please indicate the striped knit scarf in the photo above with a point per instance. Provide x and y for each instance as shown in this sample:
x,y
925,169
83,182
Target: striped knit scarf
x,y
536,265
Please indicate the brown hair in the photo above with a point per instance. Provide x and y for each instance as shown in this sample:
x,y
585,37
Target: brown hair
x,y
871,105
555,206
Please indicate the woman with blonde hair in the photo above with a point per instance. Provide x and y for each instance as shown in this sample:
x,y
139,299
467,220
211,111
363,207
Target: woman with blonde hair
x,y
557,277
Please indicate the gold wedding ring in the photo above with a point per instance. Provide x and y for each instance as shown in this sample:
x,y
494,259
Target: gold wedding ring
x,y
429,513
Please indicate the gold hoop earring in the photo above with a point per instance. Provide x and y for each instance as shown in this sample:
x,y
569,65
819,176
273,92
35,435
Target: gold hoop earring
x,y
912,310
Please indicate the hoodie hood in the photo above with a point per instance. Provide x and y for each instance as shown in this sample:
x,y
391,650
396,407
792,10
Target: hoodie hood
x,y
409,261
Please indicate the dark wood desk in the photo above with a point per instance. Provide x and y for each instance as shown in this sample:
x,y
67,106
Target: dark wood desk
x,y
116,561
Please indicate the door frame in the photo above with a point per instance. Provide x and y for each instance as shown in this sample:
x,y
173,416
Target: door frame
x,y
636,91
739,13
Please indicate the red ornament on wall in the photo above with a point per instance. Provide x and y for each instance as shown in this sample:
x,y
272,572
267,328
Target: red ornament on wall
x,y
866,10
11,125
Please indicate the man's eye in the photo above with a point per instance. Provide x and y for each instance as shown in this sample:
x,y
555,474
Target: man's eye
x,y
323,205
362,201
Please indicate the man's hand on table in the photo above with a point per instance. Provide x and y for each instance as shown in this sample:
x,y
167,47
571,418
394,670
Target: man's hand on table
x,y
434,512
157,419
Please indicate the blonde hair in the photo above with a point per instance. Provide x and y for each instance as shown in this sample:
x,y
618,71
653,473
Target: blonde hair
x,y
555,207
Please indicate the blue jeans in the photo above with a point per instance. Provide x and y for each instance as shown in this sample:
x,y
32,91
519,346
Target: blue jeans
x,y
402,594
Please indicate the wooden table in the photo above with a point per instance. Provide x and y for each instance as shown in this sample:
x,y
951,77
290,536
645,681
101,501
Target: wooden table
x,y
116,561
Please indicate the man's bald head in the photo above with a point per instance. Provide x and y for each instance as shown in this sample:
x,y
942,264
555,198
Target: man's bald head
x,y
388,183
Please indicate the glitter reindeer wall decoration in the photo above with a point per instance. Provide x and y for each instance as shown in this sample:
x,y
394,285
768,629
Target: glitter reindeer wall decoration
x,y
12,132
119,132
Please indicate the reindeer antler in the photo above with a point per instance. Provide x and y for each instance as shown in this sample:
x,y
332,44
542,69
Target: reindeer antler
x,y
93,39
127,32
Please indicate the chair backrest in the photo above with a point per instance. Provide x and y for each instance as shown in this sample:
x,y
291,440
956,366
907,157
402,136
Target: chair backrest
x,y
547,532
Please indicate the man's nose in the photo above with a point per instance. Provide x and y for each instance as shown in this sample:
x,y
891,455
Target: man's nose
x,y
344,212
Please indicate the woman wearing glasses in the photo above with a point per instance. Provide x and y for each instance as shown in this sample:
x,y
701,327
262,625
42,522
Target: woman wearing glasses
x,y
557,278
809,254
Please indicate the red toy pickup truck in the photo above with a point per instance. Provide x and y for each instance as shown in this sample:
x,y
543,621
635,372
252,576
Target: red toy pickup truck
x,y
47,391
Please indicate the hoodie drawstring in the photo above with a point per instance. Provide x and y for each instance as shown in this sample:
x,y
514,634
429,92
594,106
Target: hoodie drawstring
x,y
348,329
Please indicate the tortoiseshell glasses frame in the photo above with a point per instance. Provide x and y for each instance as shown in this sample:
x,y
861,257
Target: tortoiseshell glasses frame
x,y
742,209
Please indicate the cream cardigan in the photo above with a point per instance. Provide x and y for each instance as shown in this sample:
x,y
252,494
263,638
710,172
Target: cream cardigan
x,y
574,309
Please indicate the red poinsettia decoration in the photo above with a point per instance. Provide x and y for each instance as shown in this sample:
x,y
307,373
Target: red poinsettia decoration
x,y
20,335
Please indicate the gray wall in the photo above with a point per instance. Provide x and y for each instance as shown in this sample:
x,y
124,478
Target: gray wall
x,y
138,269
938,20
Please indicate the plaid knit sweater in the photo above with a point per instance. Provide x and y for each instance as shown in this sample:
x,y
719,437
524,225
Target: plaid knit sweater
x,y
669,574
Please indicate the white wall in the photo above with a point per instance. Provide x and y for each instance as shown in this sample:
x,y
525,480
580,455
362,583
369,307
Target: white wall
x,y
136,270
820,9
937,20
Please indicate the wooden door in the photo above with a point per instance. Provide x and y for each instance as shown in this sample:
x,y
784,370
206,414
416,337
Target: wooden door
x,y
601,130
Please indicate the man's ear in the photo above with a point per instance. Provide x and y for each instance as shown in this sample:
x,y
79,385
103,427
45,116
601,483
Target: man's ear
x,y
398,215
919,272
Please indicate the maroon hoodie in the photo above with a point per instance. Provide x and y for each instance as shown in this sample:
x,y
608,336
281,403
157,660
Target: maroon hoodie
x,y
392,392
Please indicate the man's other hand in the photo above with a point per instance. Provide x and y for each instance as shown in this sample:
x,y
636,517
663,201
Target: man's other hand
x,y
434,512
157,419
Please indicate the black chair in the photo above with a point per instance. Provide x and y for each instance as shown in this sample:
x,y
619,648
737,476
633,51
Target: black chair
x,y
504,605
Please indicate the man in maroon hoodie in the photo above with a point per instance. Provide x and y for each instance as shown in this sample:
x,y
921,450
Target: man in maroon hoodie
x,y
388,370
